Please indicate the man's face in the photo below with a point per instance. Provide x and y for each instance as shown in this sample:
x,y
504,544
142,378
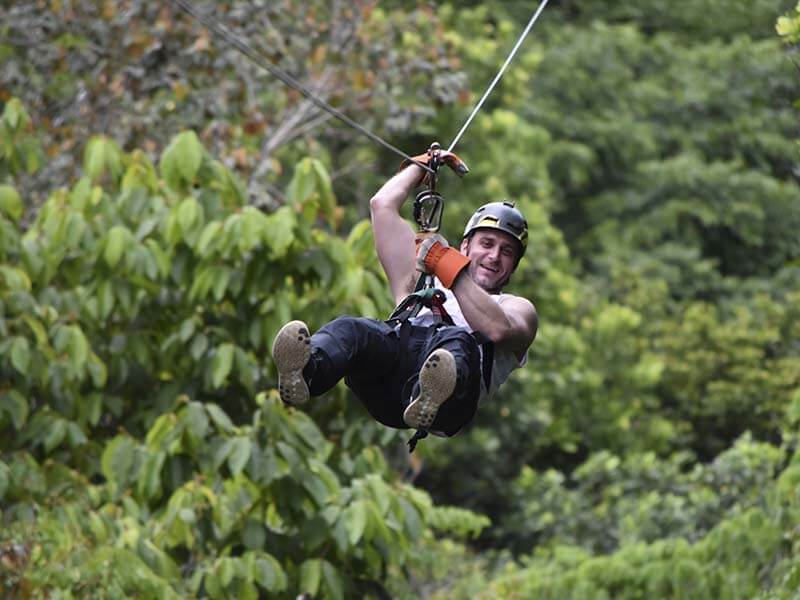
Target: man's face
x,y
493,255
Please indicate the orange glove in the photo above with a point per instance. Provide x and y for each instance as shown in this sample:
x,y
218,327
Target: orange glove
x,y
435,257
444,157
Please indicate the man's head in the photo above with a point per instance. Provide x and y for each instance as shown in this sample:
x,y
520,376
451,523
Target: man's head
x,y
495,239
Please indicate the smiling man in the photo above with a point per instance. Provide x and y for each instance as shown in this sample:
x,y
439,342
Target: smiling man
x,y
424,374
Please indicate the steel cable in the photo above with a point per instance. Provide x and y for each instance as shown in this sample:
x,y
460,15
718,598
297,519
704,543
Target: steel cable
x,y
217,28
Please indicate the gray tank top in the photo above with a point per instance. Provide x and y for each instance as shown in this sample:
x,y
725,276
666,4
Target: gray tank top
x,y
505,361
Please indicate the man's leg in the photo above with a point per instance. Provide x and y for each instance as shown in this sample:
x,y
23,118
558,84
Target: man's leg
x,y
357,348
447,392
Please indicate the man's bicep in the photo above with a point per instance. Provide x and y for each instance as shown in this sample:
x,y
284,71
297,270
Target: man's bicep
x,y
394,244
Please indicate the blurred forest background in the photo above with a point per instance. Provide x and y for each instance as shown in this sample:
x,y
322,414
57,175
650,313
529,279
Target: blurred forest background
x,y
165,206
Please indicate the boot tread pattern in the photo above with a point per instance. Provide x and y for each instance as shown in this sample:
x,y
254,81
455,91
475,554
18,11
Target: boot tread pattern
x,y
437,381
291,351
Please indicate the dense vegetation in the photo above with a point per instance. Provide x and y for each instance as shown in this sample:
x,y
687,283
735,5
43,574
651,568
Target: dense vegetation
x,y
165,206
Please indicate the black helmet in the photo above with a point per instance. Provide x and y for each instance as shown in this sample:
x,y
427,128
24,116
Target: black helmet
x,y
503,216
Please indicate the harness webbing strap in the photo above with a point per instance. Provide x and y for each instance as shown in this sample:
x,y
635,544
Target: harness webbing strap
x,y
412,442
410,306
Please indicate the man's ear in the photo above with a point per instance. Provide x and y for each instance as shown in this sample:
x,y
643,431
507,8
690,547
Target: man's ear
x,y
464,245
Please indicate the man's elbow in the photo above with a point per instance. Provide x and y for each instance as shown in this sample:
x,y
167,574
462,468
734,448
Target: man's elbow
x,y
499,332
379,202
508,332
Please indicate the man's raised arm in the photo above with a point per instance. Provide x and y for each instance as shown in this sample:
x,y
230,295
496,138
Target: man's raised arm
x,y
394,237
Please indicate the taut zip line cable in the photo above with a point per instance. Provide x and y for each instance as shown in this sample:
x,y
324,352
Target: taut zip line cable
x,y
502,70
290,81
214,26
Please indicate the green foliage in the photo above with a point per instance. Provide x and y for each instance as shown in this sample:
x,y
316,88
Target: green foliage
x,y
648,450
663,254
788,26
20,152
610,501
135,327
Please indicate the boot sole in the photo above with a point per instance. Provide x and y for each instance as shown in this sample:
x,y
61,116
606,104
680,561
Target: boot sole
x,y
291,351
437,381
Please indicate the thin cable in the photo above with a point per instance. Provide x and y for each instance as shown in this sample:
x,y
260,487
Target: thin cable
x,y
499,73
290,81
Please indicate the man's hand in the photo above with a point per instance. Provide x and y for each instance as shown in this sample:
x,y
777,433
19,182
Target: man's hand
x,y
443,157
435,257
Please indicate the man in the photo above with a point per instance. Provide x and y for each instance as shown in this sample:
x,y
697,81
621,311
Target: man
x,y
421,374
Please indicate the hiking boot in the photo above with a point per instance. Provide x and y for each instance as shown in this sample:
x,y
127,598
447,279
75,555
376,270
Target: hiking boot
x,y
437,381
291,351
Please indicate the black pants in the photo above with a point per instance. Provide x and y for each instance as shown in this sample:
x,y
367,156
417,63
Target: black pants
x,y
382,366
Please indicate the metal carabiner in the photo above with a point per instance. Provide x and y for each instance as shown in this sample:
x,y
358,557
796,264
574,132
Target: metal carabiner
x,y
428,204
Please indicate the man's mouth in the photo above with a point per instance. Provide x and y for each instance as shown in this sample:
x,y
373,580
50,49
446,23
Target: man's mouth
x,y
489,268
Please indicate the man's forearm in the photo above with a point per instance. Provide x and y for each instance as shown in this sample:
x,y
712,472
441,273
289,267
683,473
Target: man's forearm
x,y
479,309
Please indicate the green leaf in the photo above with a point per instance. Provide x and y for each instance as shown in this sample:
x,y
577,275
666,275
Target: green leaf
x,y
163,431
5,478
220,417
55,434
116,240
222,276
254,535
10,202
148,482
97,370
225,571
21,354
310,576
223,452
77,346
279,229
199,346
333,581
212,585
14,114
239,454
100,157
269,573
303,183
221,364
15,404
208,235
327,199
188,213
105,298
190,155
15,279
117,459
355,521
186,329
380,492
196,420
37,329
181,160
